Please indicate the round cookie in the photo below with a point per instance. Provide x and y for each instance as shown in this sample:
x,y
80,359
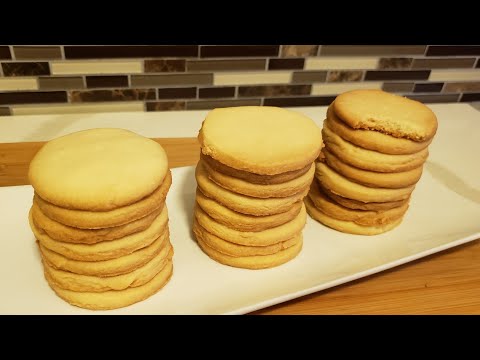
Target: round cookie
x,y
342,186
86,283
359,205
251,177
370,178
373,140
101,219
240,186
105,250
232,249
252,238
64,233
388,113
81,170
243,222
114,299
347,226
260,139
253,262
242,203
361,217
369,159
112,267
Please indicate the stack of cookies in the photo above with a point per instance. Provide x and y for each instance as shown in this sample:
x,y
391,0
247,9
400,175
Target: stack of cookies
x,y
255,168
375,146
100,218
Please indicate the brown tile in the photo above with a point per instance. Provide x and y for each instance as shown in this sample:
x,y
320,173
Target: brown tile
x,y
299,101
299,50
428,87
226,65
37,52
130,51
372,50
456,50
33,97
177,93
165,105
25,68
470,97
397,75
60,83
238,50
462,86
306,77
443,63
152,66
216,92
212,104
106,81
5,53
395,63
4,111
112,95
434,98
344,75
281,64
478,63
398,87
274,90
171,79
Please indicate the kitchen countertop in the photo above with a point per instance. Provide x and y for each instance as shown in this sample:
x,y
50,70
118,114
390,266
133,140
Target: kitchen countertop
x,y
448,282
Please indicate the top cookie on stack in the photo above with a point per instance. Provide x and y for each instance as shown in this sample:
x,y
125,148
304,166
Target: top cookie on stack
x,y
375,146
256,166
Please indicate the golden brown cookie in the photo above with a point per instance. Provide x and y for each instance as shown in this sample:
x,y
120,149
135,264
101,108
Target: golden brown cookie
x,y
369,159
371,178
242,203
252,238
58,231
251,177
359,205
253,262
374,140
82,170
240,186
105,250
112,267
100,219
391,114
244,222
347,226
87,283
114,299
260,139
342,186
361,217
233,249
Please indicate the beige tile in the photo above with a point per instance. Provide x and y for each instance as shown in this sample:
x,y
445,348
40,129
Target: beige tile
x,y
79,108
448,75
341,62
96,67
252,78
20,83
338,88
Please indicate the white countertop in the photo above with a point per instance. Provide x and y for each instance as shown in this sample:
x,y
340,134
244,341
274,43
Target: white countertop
x,y
159,124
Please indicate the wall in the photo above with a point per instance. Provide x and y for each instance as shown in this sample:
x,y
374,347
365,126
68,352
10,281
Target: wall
x,y
61,79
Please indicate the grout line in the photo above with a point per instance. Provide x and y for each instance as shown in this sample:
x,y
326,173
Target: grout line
x,y
198,51
319,50
235,94
1,70
62,52
197,93
12,53
280,49
426,50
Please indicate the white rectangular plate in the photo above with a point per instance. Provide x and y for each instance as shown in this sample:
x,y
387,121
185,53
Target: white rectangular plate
x,y
444,212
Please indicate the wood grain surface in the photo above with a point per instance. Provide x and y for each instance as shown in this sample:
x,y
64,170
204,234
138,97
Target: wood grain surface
x,y
444,283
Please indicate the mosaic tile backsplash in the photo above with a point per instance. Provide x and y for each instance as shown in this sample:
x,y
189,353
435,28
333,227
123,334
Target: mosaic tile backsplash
x,y
73,79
